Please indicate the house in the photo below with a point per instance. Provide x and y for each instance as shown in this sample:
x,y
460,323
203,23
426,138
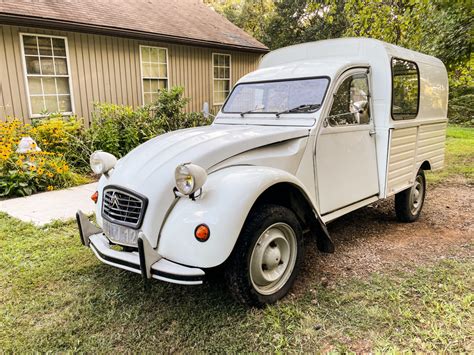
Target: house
x,y
63,56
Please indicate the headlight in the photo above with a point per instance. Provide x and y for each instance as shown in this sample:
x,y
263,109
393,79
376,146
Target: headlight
x,y
189,178
102,162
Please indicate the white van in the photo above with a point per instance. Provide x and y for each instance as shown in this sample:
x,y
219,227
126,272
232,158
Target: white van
x,y
319,130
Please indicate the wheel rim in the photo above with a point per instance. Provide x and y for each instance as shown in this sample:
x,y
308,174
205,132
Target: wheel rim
x,y
273,258
416,195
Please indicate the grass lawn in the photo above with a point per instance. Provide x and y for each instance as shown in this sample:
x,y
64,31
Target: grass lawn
x,y
459,156
56,296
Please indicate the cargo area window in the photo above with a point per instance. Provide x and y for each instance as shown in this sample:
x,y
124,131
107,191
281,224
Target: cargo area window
x,y
221,77
351,102
154,66
47,74
405,89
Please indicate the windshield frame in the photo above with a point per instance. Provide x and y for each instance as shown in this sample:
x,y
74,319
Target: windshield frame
x,y
279,80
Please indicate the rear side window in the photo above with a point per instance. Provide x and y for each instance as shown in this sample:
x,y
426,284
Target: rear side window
x,y
405,89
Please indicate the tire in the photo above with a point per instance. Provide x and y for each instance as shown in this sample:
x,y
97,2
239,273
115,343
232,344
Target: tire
x,y
267,256
409,203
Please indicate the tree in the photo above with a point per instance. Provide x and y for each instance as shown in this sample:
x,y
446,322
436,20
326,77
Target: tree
x,y
437,27
301,21
447,33
253,16
394,21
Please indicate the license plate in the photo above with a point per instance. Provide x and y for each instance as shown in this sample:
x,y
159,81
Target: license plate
x,y
120,234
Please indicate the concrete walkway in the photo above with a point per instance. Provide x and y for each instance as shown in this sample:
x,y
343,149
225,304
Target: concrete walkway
x,y
46,207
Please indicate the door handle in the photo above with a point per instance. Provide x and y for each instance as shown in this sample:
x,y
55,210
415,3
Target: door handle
x,y
372,132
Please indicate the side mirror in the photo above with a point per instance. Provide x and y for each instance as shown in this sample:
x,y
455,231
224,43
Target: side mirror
x,y
205,110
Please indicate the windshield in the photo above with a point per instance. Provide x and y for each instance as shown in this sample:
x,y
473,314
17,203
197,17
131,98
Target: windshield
x,y
277,96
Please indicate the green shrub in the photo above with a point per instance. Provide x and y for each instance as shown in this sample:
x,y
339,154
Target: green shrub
x,y
461,105
118,129
168,111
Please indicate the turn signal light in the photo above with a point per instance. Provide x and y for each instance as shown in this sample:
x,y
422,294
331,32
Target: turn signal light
x,y
95,196
202,232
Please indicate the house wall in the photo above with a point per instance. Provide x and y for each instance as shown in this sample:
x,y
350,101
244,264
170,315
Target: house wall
x,y
107,69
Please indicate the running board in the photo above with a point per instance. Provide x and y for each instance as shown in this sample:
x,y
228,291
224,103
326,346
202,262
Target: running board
x,y
338,213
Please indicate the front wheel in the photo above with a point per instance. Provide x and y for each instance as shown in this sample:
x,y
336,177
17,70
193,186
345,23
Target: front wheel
x,y
267,256
409,203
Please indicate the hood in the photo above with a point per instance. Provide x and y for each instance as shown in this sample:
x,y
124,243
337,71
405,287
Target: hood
x,y
149,168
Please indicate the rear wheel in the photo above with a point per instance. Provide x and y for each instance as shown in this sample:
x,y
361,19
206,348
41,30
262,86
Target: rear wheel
x,y
409,203
267,256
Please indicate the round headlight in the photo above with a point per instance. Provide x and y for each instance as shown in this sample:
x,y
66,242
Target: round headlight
x,y
102,162
189,178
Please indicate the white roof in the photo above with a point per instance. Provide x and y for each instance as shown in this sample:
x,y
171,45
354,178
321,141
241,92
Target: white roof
x,y
299,69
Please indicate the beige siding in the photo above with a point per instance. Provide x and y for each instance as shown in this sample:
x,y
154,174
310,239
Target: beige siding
x,y
107,69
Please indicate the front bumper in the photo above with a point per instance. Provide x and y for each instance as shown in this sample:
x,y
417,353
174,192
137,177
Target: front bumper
x,y
136,261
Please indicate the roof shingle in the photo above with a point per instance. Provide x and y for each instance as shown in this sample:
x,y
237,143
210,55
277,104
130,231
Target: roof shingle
x,y
183,20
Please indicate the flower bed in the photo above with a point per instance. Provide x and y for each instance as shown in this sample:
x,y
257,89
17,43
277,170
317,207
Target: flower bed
x,y
66,144
22,174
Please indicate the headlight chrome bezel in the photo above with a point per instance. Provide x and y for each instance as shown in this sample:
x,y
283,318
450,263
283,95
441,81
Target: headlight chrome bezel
x,y
189,178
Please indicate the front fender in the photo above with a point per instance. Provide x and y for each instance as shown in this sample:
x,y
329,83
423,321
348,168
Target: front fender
x,y
227,198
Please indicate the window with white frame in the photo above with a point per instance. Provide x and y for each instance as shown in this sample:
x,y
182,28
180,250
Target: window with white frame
x,y
154,63
47,74
221,77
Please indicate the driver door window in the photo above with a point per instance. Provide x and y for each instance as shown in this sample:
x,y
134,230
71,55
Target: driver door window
x,y
351,102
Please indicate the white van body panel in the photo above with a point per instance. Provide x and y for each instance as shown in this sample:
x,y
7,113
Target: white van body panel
x,y
224,205
328,55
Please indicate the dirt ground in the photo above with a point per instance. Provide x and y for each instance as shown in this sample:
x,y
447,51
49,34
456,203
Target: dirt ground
x,y
372,240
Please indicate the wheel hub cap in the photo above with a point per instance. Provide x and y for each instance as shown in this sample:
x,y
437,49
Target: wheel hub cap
x,y
416,196
273,258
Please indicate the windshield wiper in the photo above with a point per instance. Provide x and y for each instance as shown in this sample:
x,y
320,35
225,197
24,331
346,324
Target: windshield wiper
x,y
249,111
304,107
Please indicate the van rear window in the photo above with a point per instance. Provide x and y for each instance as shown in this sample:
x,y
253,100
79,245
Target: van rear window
x,y
405,89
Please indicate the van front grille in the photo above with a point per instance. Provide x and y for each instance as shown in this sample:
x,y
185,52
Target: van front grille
x,y
123,207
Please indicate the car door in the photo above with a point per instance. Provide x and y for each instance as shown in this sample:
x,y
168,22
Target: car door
x,y
345,161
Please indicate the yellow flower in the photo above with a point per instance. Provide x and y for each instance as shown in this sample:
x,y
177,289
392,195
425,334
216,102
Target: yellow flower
x,y
50,175
40,171
32,168
50,188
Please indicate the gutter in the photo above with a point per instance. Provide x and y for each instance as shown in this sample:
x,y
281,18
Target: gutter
x,y
31,21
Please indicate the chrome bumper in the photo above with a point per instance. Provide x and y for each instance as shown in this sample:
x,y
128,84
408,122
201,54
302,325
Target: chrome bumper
x,y
144,261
